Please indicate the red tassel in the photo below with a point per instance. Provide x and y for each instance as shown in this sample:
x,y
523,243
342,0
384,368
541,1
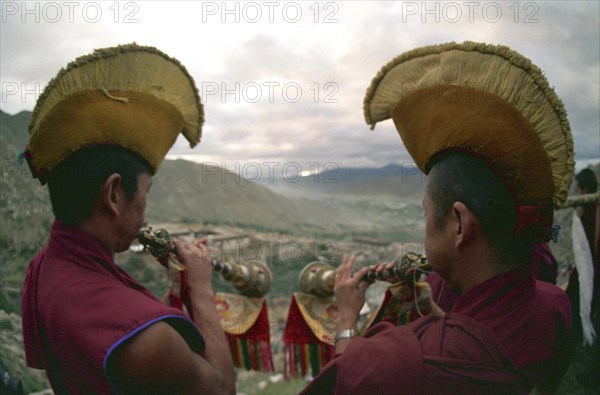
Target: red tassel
x,y
323,354
257,337
266,357
290,364
297,338
257,343
252,350
303,359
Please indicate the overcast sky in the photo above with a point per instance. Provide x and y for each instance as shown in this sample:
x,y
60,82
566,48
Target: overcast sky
x,y
284,81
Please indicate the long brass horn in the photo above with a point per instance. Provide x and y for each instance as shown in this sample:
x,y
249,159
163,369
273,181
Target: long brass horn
x,y
318,278
252,279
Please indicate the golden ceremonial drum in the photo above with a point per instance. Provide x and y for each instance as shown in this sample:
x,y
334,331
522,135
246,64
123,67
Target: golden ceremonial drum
x,y
252,279
318,278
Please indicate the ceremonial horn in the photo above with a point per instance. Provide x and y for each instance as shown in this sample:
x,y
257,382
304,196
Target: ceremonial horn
x,y
252,279
317,278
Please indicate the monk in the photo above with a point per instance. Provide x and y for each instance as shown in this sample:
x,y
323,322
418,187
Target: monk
x,y
488,201
496,337
90,325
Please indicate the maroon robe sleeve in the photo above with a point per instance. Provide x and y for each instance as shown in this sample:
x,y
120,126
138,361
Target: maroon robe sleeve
x,y
76,313
388,360
34,354
449,355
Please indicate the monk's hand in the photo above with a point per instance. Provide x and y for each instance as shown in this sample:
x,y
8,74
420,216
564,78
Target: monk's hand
x,y
380,267
198,267
349,292
436,310
203,241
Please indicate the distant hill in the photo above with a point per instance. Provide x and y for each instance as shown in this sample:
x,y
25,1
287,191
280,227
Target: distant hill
x,y
391,181
181,192
360,174
338,203
395,184
24,204
15,128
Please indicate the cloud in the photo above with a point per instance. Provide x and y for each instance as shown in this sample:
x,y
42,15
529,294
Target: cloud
x,y
284,89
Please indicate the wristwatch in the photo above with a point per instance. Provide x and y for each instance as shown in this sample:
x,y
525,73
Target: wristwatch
x,y
345,334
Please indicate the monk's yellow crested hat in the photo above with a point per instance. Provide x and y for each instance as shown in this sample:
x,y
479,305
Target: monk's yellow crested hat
x,y
484,99
133,96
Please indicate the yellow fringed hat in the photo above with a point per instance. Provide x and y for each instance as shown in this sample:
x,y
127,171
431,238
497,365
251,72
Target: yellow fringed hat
x,y
490,101
133,96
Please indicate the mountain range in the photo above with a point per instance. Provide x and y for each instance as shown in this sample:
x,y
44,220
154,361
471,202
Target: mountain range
x,y
182,192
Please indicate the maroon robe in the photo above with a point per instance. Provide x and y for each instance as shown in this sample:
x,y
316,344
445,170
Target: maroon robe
x,y
543,268
78,306
503,336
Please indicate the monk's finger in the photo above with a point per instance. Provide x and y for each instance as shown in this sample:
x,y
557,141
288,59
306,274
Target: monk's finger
x,y
351,261
180,246
346,265
356,278
339,272
380,267
391,264
348,261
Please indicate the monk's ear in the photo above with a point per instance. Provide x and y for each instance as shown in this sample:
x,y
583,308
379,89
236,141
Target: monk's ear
x,y
463,224
111,194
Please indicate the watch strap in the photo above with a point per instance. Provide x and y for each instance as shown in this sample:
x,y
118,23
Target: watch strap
x,y
345,334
